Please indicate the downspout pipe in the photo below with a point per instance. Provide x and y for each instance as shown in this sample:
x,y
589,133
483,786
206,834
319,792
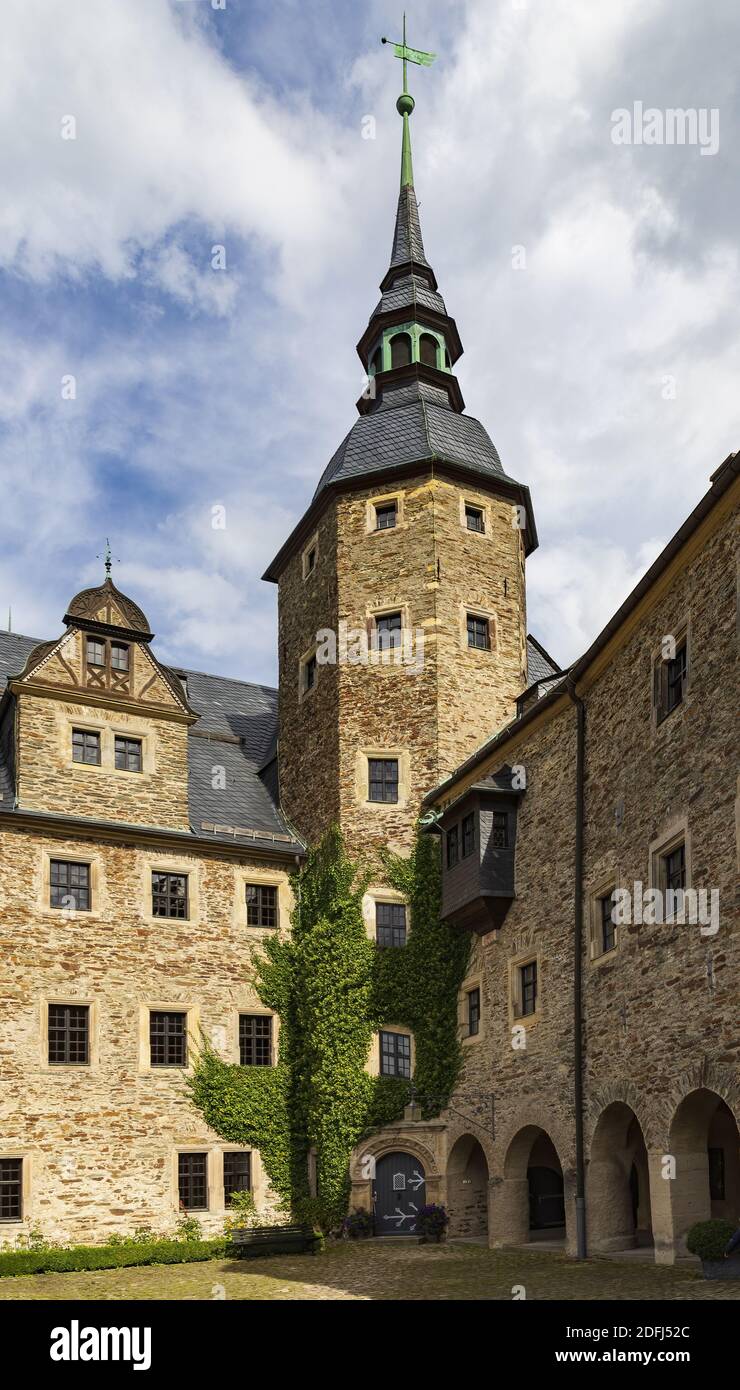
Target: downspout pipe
x,y
578,974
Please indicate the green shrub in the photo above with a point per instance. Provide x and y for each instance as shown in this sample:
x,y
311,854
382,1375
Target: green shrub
x,y
242,1212
81,1257
708,1239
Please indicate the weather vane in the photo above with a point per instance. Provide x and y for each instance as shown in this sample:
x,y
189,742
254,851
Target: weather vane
x,y
108,557
405,103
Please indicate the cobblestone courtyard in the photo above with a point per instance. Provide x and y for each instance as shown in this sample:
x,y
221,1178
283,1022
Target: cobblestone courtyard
x,y
384,1270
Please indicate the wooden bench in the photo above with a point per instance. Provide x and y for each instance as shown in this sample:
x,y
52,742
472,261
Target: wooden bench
x,y
274,1240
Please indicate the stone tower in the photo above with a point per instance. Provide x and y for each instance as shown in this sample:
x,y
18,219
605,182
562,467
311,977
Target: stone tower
x,y
402,637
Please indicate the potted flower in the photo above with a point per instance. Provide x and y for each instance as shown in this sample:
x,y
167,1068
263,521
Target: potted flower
x,y
358,1225
708,1240
431,1223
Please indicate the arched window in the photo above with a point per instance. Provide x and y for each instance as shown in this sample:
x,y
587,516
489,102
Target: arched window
x,y
447,359
400,350
428,350
376,362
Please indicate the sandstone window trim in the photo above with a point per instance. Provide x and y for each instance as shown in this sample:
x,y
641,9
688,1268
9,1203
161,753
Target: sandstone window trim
x,y
231,1187
394,1030
257,1040
609,884
384,500
252,1009
192,1035
191,1178
308,670
310,556
362,777
264,878
475,504
92,1005
23,1189
480,612
516,1002
383,896
64,855
675,835
159,864
107,733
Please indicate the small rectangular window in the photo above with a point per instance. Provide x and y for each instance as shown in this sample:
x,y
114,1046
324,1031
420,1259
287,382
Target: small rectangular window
x,y
453,846
255,1040
119,656
69,885
192,1181
128,754
310,670
674,869
388,631
383,779
85,747
95,652
169,895
500,830
11,1189
607,929
473,1012
390,924
385,516
468,834
528,983
168,1039
716,1159
479,633
670,681
311,560
262,905
237,1174
395,1054
69,1034
474,518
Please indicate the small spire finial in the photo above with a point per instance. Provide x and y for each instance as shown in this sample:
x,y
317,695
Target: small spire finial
x,y
107,557
405,103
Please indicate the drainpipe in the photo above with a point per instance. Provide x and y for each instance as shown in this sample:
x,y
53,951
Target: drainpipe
x,y
578,976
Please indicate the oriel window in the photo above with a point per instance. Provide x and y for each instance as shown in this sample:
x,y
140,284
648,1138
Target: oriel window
x,y
500,830
468,834
453,846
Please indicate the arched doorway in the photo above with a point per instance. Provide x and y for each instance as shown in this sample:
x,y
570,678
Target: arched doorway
x,y
704,1141
467,1188
398,1191
530,1205
618,1184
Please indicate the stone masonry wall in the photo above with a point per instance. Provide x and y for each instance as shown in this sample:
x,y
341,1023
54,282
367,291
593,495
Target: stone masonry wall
x,y
101,1140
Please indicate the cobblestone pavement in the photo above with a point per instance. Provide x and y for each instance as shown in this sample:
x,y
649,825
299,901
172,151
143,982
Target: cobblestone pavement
x,y
383,1269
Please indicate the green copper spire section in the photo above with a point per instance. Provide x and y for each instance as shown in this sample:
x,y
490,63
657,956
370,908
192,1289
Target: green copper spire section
x,y
405,103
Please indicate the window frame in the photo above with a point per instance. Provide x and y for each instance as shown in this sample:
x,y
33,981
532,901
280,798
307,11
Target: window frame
x,y
14,1215
500,823
243,1154
117,646
396,1052
524,985
383,508
85,735
125,739
67,1060
168,896
383,780
254,1039
480,511
70,889
270,907
473,1010
671,677
189,1155
468,836
474,620
183,1036
452,846
391,927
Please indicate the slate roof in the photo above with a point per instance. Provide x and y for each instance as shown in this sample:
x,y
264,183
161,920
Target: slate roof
x,y
236,731
539,664
410,428
407,240
408,291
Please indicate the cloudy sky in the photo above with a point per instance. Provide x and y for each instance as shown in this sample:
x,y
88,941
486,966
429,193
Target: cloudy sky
x,y
606,371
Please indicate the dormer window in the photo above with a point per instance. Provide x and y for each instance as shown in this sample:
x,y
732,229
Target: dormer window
x,y
119,656
95,652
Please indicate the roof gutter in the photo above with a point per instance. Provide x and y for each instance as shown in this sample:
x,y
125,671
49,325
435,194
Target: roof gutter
x,y
115,832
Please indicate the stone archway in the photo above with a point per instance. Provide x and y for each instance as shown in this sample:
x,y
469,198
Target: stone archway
x,y
467,1188
704,1141
530,1202
618,1183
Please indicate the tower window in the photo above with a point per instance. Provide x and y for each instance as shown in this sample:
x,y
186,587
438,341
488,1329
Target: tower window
x,y
395,1054
383,779
311,560
473,1012
428,350
376,362
479,632
474,518
390,924
528,987
309,674
86,747
400,350
607,930
386,514
388,628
